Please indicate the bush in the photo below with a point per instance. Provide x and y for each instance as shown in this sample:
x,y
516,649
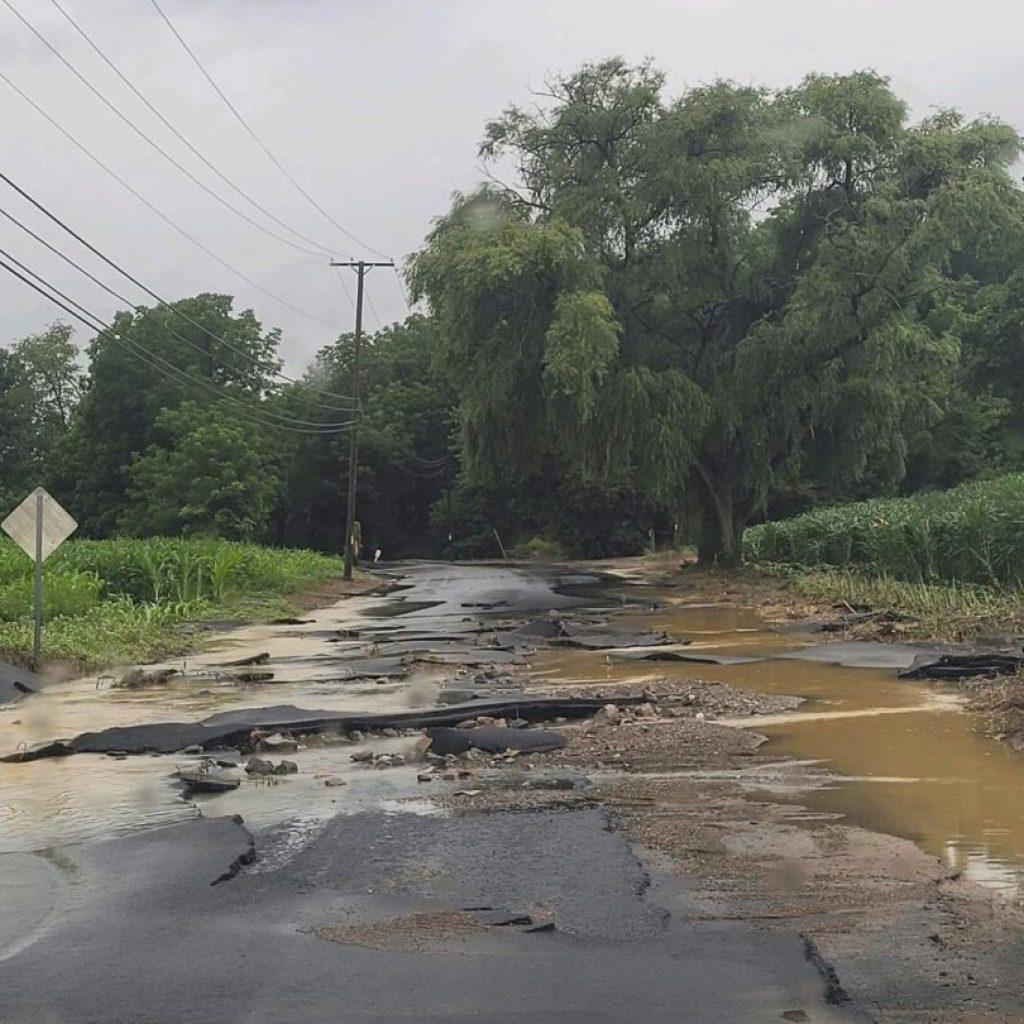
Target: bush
x,y
539,549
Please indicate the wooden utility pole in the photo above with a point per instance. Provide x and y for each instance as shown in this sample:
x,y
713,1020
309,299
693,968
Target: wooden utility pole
x,y
362,268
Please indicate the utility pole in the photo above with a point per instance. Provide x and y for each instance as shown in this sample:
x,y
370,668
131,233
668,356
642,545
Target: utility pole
x,y
362,268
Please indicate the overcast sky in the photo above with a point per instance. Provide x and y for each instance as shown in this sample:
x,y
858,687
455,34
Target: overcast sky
x,y
377,108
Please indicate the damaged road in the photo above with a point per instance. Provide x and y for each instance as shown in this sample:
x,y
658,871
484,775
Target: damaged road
x,y
379,914
606,861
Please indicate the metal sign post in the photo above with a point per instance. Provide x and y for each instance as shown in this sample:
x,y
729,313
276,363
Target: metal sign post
x,y
39,525
37,632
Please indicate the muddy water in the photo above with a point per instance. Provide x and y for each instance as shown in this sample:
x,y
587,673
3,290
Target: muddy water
x,y
913,764
55,802
906,760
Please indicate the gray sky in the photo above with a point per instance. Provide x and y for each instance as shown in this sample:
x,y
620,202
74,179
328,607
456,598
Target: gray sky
x,y
377,108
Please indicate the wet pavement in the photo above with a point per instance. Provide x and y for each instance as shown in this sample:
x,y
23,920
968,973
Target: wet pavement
x,y
355,907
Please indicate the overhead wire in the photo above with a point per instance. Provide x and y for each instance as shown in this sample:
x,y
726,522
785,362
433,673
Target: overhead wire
x,y
181,337
259,141
149,291
154,209
318,252
234,186
90,320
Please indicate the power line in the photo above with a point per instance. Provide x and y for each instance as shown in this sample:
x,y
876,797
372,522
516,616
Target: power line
x,y
90,320
344,285
174,333
163,216
208,385
162,302
184,139
259,142
319,251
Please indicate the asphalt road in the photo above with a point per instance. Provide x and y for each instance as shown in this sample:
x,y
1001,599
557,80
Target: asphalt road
x,y
356,927
365,918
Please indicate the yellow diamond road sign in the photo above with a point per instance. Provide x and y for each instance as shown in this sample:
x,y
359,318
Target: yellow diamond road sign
x,y
21,524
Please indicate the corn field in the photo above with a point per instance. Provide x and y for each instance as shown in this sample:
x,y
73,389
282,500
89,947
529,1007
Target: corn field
x,y
971,534
156,572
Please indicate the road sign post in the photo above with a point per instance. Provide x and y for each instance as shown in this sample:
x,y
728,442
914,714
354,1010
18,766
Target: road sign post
x,y
37,632
39,525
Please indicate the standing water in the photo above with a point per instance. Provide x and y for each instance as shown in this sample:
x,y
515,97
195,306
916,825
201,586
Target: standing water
x,y
913,763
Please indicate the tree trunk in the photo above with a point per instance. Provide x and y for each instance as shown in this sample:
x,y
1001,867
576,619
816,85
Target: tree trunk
x,y
721,534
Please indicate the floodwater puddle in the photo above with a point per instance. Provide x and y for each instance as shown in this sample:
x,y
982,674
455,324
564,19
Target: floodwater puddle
x,y
905,761
901,757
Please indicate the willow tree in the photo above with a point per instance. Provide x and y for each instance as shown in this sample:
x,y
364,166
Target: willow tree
x,y
685,297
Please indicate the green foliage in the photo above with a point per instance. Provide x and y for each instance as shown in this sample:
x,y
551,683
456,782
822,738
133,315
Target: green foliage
x,y
119,599
539,549
405,457
707,298
40,384
970,534
583,521
206,473
126,404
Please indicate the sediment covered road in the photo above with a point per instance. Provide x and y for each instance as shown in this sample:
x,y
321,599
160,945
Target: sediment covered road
x,y
653,865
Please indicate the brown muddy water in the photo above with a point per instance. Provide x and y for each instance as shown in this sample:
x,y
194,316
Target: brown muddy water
x,y
908,761
61,801
913,763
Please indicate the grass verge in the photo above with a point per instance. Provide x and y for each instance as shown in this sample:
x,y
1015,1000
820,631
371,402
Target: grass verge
x,y
949,611
126,601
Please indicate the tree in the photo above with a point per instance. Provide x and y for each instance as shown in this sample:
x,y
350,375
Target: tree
x,y
40,385
695,299
404,458
206,472
160,359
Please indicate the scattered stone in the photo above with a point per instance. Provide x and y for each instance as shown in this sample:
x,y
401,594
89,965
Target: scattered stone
x,y
382,680
356,736
468,723
286,768
608,715
139,679
425,777
361,756
490,720
191,749
278,743
467,792
389,733
258,766
333,781
647,710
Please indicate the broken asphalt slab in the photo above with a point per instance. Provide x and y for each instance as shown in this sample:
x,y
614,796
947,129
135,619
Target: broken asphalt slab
x,y
493,739
311,935
16,682
232,728
964,666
